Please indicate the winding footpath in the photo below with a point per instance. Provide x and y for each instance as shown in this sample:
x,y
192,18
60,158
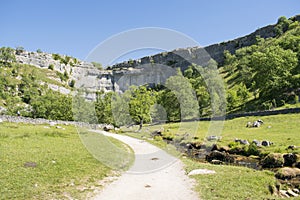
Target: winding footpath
x,y
155,175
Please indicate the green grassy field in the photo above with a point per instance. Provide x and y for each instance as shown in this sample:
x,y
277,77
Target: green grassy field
x,y
64,168
282,130
233,182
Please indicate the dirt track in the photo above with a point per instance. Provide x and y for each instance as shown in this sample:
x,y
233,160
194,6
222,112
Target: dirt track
x,y
154,175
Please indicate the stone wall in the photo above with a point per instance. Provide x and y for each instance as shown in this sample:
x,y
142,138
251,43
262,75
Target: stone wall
x,y
27,120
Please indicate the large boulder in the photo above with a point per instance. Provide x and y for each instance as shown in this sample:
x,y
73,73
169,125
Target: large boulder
x,y
287,173
290,159
221,156
272,160
108,127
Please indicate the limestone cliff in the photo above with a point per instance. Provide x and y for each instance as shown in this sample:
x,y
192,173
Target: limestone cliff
x,y
150,69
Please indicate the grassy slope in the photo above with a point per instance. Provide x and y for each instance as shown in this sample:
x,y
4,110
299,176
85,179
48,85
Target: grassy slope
x,y
64,166
283,130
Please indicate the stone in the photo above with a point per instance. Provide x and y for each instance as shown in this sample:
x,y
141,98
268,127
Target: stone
x,y
108,127
272,160
212,137
296,190
290,159
291,193
243,142
291,147
283,193
216,162
256,142
1,120
201,171
221,156
30,164
52,123
287,173
266,143
156,133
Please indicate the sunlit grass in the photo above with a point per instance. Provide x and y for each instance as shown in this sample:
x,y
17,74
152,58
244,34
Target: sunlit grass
x,y
64,168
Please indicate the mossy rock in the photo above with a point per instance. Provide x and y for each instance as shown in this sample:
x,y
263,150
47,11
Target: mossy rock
x,y
272,160
287,173
221,156
291,159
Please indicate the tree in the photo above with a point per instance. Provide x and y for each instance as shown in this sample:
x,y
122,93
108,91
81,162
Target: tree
x,y
103,108
52,105
19,50
7,55
83,110
272,71
181,89
141,100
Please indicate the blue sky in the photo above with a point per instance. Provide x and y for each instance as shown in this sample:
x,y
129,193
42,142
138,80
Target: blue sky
x,y
75,27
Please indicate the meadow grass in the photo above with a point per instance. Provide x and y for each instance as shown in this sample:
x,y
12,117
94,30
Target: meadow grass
x,y
64,168
282,130
232,182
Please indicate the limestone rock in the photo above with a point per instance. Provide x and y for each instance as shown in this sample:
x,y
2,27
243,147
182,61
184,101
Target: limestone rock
x,y
272,160
201,171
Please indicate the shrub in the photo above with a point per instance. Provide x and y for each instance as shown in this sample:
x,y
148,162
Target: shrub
x,y
72,83
66,75
39,51
56,56
158,138
51,67
19,50
252,150
7,55
97,65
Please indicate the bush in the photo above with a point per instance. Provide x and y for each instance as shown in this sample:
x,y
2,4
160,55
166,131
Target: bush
x,y
7,55
51,67
253,150
56,56
97,65
72,83
19,50
158,138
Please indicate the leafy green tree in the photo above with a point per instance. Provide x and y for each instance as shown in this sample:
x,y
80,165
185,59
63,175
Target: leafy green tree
x,y
83,110
183,91
103,108
52,105
7,55
272,71
232,99
19,50
141,100
170,103
120,109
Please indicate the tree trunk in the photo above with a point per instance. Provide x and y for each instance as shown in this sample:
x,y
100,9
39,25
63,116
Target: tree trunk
x,y
141,124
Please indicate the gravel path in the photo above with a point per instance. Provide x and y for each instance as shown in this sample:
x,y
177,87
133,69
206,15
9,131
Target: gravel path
x,y
154,175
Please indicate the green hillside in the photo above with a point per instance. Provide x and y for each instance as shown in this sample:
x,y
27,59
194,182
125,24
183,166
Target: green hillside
x,y
263,76
25,88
